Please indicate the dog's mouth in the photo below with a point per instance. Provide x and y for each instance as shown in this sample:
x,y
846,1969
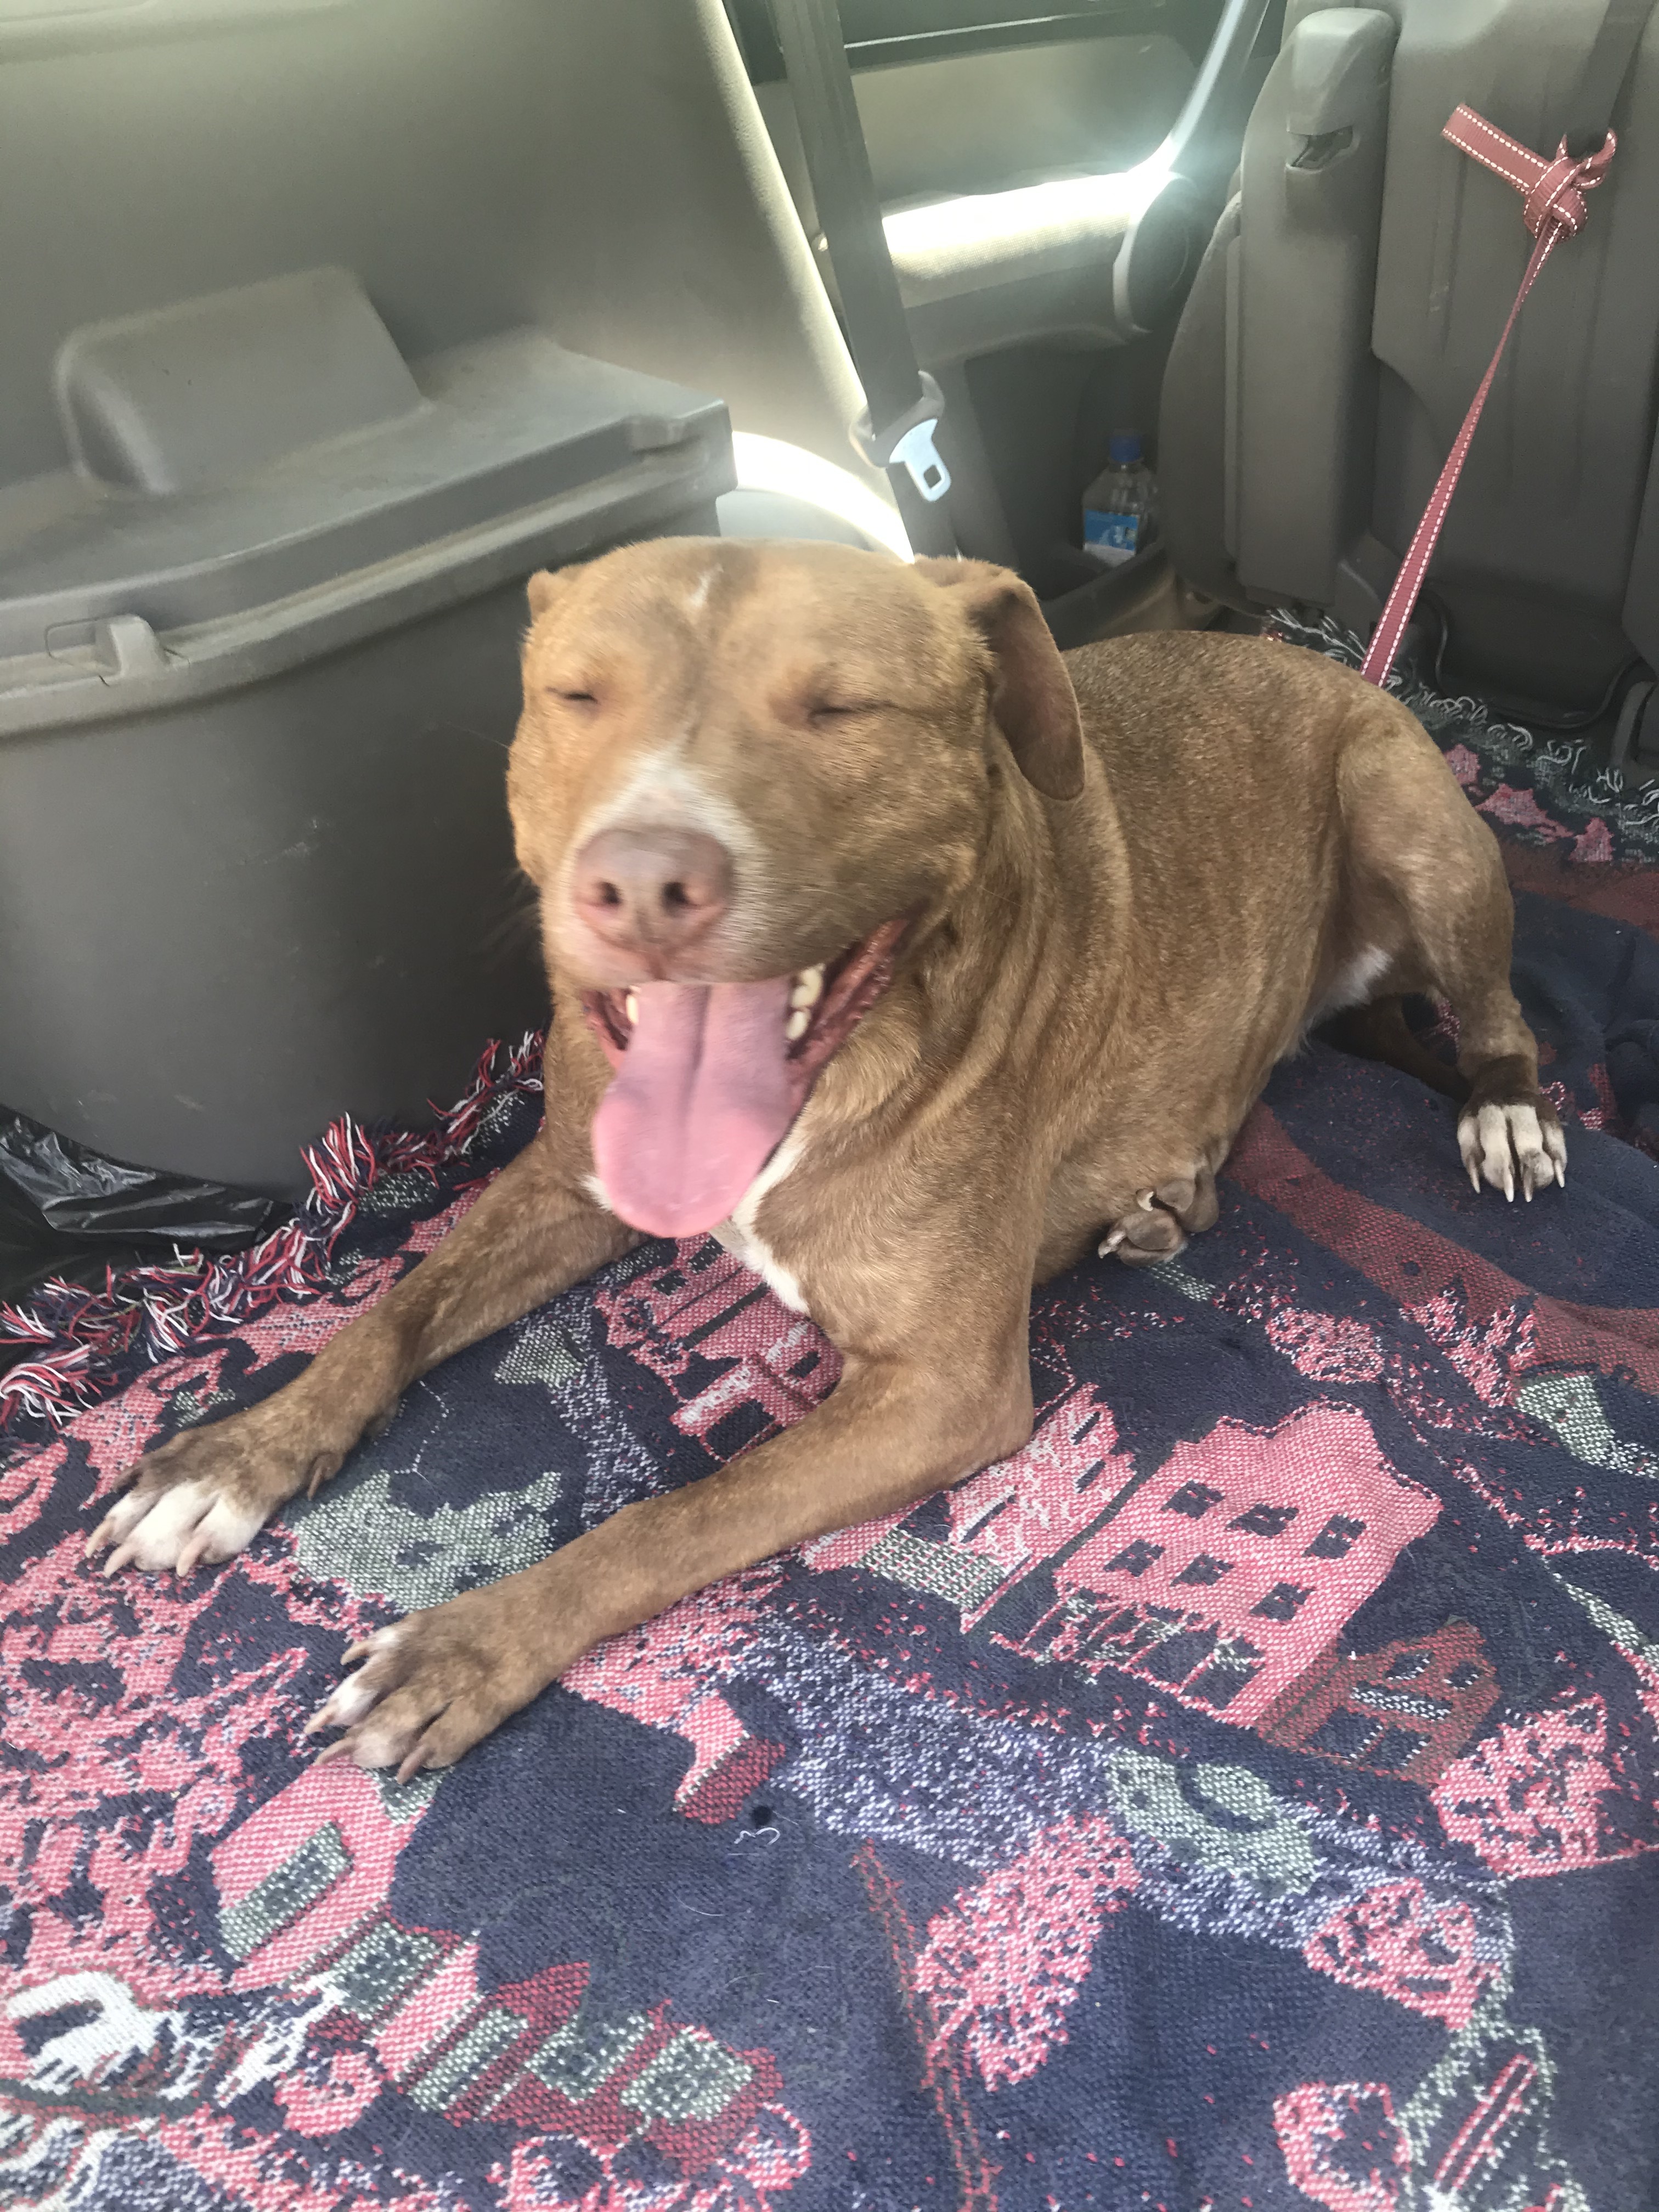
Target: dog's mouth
x,y
710,1076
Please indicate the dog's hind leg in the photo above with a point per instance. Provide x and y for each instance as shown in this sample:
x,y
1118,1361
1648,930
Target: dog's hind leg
x,y
1426,884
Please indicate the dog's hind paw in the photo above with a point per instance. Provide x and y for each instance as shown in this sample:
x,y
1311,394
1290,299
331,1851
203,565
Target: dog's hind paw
x,y
1162,1219
1518,1143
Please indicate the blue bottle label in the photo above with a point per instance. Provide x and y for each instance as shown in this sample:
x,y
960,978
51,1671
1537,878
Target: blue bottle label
x,y
1111,538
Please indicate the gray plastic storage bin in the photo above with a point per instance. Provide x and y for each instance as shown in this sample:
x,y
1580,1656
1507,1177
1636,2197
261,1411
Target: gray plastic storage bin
x,y
259,665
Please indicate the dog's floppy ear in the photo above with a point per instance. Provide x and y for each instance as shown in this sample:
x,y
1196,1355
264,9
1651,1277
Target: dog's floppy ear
x,y
1034,703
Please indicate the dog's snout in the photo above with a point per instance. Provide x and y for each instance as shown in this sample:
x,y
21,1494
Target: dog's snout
x,y
652,890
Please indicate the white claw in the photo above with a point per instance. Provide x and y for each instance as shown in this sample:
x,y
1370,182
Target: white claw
x,y
631,1006
1555,1146
798,1025
1501,1145
349,1702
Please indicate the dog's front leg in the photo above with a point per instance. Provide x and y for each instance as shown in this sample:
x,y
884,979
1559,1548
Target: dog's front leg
x,y
203,1495
432,1686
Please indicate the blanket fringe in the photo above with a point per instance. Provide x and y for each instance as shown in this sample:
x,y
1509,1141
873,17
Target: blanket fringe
x,y
83,1342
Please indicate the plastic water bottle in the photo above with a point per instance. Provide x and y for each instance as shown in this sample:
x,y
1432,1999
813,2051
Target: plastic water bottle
x,y
1120,508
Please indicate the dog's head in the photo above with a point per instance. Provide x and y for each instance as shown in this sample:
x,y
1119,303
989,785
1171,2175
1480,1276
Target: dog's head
x,y
744,773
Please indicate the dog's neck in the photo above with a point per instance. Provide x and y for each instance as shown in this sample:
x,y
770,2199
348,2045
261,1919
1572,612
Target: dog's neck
x,y
990,960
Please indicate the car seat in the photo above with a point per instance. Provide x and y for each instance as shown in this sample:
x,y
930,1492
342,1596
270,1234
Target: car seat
x,y
1345,310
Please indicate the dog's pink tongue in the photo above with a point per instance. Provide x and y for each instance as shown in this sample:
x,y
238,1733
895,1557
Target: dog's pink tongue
x,y
700,1101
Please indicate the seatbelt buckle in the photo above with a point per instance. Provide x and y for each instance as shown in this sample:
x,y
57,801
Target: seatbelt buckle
x,y
907,442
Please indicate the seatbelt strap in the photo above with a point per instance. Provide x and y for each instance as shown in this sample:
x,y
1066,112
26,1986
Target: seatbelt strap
x,y
1590,112
1554,193
895,431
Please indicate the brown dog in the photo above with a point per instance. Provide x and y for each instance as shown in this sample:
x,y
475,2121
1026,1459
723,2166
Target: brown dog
x,y
870,957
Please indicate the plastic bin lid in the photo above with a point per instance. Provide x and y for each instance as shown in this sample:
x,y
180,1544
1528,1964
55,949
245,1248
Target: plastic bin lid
x,y
237,450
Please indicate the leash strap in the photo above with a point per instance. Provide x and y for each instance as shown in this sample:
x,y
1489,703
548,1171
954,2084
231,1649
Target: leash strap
x,y
1554,193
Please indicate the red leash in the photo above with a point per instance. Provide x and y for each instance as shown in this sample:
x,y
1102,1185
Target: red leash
x,y
1555,210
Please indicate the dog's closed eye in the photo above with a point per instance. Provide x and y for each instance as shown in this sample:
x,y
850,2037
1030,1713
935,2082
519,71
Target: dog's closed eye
x,y
572,698
825,712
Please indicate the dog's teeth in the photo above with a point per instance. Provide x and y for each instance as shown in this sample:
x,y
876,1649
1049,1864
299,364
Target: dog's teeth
x,y
798,1025
631,1006
808,989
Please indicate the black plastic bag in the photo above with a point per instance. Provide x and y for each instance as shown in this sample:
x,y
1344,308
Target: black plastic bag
x,y
67,1211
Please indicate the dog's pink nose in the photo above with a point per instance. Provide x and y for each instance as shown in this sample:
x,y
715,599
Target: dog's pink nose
x,y
652,890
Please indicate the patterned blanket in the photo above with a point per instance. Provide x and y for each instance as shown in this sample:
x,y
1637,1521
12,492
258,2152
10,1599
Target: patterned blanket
x,y
1244,1799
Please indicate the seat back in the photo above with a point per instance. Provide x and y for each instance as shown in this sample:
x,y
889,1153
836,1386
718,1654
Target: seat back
x,y
1347,310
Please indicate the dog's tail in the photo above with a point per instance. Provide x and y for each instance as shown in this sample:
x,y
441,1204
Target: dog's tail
x,y
1380,1031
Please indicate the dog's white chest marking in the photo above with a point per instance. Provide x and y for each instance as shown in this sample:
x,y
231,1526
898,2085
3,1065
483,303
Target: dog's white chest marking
x,y
738,1234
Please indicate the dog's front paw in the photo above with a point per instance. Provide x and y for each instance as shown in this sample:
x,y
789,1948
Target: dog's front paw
x,y
432,1686
1517,1141
206,1494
